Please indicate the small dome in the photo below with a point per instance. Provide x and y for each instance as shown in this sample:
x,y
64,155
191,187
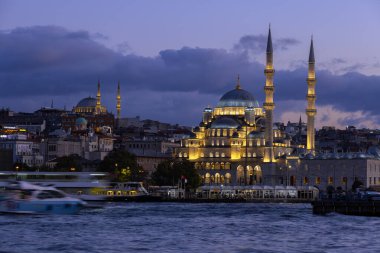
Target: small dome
x,y
225,122
237,98
87,102
80,121
256,135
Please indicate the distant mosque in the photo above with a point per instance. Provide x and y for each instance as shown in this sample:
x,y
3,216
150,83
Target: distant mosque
x,y
236,143
90,113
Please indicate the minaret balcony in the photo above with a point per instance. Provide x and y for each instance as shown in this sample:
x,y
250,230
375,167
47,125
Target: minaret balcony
x,y
269,88
269,71
311,96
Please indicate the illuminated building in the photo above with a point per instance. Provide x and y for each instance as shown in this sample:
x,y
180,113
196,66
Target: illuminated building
x,y
235,140
91,111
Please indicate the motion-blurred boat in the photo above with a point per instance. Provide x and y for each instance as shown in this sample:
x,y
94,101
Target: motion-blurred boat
x,y
25,198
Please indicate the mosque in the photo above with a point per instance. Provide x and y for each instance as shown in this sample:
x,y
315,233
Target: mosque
x,y
89,112
236,143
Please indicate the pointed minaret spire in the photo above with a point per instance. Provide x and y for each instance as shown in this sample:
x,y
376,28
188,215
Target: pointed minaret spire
x,y
311,54
238,83
52,104
269,103
311,111
98,104
269,42
118,100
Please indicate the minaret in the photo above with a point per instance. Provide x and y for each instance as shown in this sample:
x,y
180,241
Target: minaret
x,y
118,104
238,87
310,110
269,104
98,104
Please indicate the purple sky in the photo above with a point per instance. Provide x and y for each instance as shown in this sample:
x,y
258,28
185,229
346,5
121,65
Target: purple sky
x,y
175,57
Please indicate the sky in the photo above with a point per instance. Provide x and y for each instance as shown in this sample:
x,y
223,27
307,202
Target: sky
x,y
173,58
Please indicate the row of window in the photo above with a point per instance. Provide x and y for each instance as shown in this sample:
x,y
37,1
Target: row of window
x,y
142,145
318,180
216,165
376,180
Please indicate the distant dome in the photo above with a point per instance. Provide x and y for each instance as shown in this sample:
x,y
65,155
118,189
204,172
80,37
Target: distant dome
x,y
238,98
225,122
80,121
87,102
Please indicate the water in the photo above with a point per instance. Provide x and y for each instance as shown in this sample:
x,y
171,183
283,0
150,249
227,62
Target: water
x,y
177,227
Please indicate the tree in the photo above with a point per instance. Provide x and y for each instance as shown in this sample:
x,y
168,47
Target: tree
x,y
357,184
122,166
171,171
69,163
21,167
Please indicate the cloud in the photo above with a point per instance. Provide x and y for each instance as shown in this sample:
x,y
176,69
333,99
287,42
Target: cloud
x,y
65,65
330,116
258,43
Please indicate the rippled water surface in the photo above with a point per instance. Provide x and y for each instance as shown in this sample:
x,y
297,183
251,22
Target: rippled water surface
x,y
175,227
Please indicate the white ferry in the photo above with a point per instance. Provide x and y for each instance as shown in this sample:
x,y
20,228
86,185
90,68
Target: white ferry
x,y
128,191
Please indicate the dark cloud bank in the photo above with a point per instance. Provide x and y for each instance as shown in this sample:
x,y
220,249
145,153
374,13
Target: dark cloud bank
x,y
49,60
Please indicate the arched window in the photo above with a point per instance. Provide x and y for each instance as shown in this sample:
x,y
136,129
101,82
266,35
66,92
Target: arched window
x,y
207,178
180,154
222,155
217,165
240,175
305,180
217,178
318,180
228,166
211,154
330,180
216,154
228,178
184,154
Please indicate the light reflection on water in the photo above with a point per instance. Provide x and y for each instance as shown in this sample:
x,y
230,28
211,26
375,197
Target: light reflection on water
x,y
175,227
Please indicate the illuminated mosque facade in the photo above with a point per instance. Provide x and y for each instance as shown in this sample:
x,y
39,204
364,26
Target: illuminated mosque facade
x,y
236,143
91,113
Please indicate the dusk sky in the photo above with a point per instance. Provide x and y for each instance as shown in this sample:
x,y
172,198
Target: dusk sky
x,y
173,58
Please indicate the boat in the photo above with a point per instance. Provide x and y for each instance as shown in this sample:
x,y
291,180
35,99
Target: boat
x,y
128,191
82,185
20,197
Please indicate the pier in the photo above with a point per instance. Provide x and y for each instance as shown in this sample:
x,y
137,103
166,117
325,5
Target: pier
x,y
347,207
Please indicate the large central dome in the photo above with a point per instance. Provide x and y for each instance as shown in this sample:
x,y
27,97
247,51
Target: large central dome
x,y
87,102
238,98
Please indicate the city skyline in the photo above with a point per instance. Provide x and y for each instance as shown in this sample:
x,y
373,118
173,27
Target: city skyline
x,y
171,65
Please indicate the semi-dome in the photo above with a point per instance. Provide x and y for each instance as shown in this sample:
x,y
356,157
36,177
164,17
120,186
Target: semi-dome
x,y
87,102
238,98
225,122
256,135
